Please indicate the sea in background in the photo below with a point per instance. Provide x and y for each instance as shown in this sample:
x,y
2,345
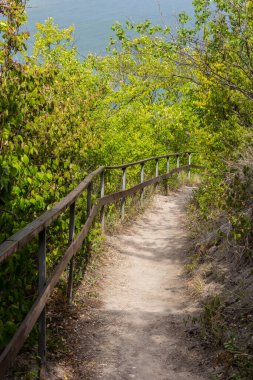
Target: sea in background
x,y
93,18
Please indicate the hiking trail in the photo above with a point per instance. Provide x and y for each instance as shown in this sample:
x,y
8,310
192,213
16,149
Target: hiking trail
x,y
138,329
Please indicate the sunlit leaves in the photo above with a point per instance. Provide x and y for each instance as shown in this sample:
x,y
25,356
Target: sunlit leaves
x,y
61,117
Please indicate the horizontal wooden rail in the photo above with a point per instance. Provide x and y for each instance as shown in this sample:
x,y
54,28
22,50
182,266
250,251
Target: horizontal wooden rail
x,y
24,236
146,160
26,326
38,228
125,193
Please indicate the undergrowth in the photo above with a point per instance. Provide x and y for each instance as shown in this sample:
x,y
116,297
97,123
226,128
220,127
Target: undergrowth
x,y
86,271
222,256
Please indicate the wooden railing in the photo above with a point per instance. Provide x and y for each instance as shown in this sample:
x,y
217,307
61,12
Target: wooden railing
x,y
39,226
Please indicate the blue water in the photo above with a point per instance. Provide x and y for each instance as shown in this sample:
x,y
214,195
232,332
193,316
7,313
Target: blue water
x,y
93,18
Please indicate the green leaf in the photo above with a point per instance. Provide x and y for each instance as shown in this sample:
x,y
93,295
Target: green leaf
x,y
25,159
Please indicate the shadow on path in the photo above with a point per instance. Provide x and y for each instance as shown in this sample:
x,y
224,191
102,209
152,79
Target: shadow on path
x,y
138,332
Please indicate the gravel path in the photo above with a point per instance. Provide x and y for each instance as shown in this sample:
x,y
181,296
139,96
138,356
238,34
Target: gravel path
x,y
138,331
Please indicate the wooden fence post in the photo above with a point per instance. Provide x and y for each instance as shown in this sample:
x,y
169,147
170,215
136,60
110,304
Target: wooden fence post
x,y
178,161
102,193
156,171
189,163
167,171
42,282
89,191
123,188
71,264
168,164
157,168
142,180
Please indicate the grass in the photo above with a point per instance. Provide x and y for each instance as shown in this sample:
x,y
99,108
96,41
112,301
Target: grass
x,y
182,179
196,286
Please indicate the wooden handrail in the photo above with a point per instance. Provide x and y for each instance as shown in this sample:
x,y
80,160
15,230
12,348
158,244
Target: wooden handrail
x,y
114,197
146,160
26,326
38,227
24,236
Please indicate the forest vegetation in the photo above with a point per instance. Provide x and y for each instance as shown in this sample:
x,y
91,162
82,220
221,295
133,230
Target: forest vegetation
x,y
158,90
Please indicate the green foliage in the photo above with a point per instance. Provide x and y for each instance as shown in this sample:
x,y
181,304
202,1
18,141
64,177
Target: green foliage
x,y
12,41
61,117
18,288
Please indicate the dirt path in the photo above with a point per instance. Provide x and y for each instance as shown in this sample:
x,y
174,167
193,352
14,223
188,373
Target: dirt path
x,y
138,332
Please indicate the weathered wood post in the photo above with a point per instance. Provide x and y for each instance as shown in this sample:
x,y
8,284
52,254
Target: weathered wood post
x,y
167,171
123,188
142,180
102,193
157,168
178,161
168,164
42,281
71,264
156,171
189,163
89,191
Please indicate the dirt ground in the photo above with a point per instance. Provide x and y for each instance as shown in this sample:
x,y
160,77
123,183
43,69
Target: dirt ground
x,y
137,327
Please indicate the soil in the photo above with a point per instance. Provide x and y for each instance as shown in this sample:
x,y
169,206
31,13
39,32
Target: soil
x,y
135,325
